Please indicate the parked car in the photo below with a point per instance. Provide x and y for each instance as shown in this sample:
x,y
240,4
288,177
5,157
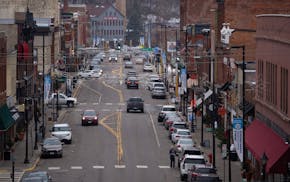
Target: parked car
x,y
90,117
164,110
148,67
188,150
180,133
51,147
188,162
62,131
158,92
205,173
61,99
136,104
42,176
174,125
152,81
129,64
170,119
183,143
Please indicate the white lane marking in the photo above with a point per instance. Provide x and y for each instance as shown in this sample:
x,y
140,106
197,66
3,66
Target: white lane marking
x,y
120,166
106,110
95,103
121,103
76,167
109,103
154,129
98,167
164,167
83,103
53,168
141,166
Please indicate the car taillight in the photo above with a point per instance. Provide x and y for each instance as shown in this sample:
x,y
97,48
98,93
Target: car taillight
x,y
84,118
194,174
96,118
177,136
128,82
171,129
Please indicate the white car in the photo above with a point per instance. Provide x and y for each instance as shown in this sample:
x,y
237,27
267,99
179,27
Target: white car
x,y
148,67
139,60
96,73
85,74
182,143
188,162
180,133
152,81
62,131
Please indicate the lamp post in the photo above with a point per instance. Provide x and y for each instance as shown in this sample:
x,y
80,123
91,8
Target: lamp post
x,y
264,160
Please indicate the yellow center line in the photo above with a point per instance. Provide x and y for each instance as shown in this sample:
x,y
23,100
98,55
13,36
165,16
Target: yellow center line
x,y
111,130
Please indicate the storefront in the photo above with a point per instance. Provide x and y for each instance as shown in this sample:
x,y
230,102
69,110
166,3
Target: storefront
x,y
263,143
7,130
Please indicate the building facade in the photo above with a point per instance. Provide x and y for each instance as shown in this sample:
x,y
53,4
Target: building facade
x,y
107,25
272,100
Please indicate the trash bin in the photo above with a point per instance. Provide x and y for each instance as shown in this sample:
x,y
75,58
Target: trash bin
x,y
7,155
233,156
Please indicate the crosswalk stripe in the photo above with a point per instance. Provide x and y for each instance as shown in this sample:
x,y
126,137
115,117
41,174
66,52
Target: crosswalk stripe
x,y
76,167
98,167
53,168
120,166
164,167
141,166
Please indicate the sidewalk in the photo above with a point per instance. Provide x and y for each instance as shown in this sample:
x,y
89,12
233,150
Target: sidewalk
x,y
18,153
221,164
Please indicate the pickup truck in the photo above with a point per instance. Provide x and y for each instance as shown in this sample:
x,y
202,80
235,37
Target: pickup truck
x,y
61,100
135,103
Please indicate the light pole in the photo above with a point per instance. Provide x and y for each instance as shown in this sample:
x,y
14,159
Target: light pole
x,y
264,160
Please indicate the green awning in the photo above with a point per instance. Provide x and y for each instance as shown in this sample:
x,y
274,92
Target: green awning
x,y
6,119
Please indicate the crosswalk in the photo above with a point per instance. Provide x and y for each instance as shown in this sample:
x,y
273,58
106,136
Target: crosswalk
x,y
101,167
5,176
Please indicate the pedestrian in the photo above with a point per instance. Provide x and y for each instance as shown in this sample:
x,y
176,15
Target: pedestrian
x,y
172,154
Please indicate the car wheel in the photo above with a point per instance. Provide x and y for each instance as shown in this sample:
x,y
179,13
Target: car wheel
x,y
142,110
69,141
70,104
60,155
128,110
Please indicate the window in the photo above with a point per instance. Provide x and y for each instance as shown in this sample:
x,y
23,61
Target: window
x,y
271,83
284,90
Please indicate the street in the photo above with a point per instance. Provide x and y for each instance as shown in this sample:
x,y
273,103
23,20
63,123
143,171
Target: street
x,y
124,146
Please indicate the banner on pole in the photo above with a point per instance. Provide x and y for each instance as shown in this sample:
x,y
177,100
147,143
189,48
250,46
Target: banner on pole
x,y
238,136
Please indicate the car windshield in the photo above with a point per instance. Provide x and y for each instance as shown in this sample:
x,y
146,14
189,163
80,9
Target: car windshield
x,y
192,152
183,132
169,109
135,99
181,126
194,161
186,142
205,170
64,128
90,113
51,142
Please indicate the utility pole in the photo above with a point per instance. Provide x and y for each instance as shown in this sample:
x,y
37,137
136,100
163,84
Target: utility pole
x,y
214,93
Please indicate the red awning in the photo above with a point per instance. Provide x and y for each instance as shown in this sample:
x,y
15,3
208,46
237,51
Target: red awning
x,y
259,138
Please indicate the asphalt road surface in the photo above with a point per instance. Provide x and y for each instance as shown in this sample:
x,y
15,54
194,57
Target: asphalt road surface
x,y
124,146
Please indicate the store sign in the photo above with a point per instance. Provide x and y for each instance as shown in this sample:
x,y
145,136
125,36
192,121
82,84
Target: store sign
x,y
238,136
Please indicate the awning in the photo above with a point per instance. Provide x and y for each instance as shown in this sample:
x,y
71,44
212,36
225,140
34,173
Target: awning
x,y
259,138
6,119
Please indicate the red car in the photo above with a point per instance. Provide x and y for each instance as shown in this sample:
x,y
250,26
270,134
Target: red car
x,y
89,117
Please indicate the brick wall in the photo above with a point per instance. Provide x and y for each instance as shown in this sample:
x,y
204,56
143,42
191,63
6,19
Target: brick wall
x,y
3,62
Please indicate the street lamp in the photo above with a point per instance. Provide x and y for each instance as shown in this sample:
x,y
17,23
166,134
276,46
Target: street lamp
x,y
264,160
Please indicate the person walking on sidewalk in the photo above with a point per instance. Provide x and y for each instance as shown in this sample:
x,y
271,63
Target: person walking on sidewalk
x,y
172,154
